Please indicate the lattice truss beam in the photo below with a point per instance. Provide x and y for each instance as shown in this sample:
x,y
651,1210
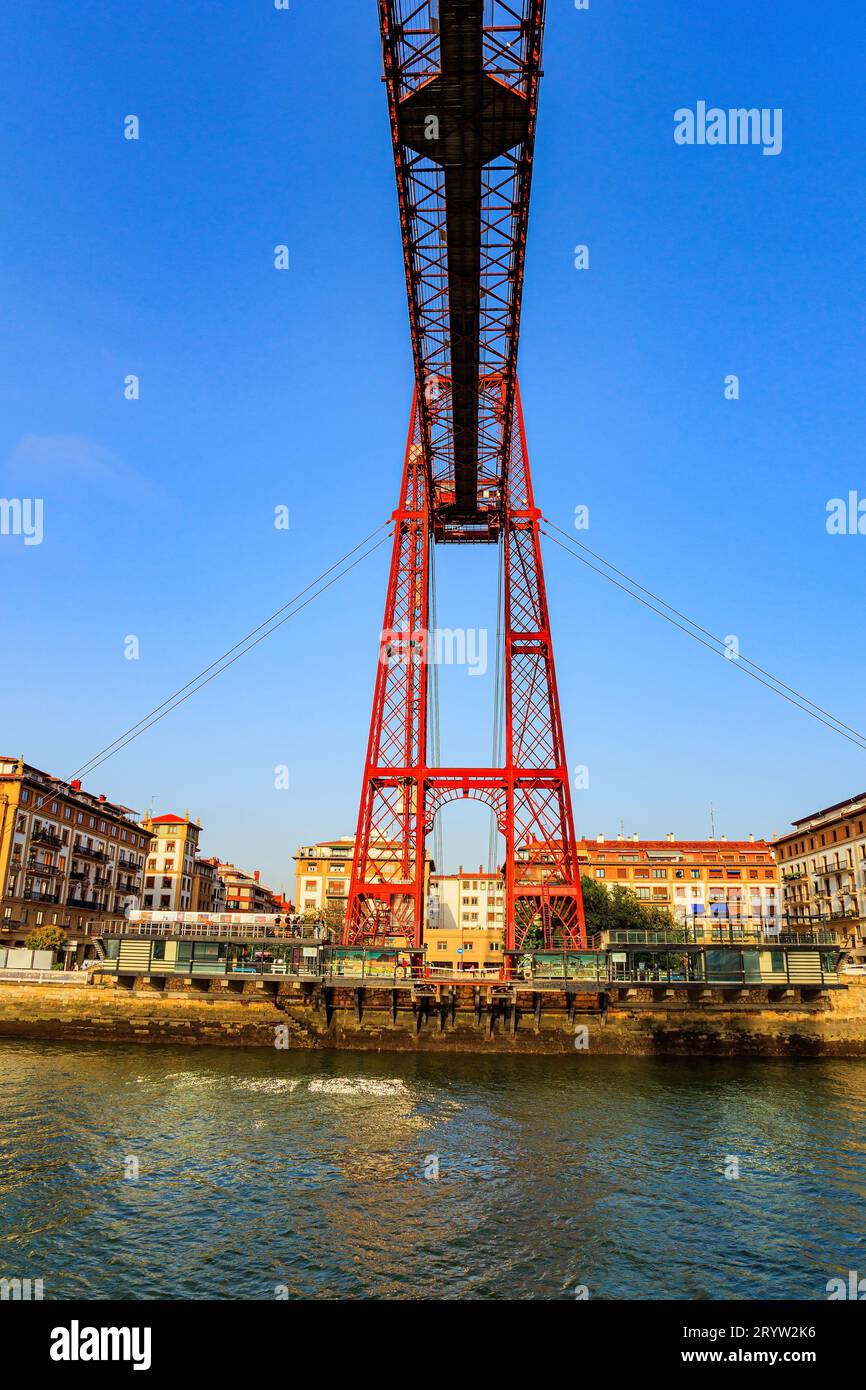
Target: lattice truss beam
x,y
462,79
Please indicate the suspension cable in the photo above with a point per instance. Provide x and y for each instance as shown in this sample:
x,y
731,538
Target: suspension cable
x,y
742,663
235,652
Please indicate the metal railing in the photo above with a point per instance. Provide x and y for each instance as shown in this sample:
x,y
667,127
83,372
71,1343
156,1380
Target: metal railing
x,y
88,852
44,977
46,837
207,931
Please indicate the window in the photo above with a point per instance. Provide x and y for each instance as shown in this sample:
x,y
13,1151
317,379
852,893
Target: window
x,y
660,873
773,962
599,873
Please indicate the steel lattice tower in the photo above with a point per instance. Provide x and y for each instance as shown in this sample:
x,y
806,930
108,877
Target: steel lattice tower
x,y
462,81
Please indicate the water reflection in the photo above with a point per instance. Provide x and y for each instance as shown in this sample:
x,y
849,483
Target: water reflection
x,y
308,1170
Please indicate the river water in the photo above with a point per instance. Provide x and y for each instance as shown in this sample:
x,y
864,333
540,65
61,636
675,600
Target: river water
x,y
135,1172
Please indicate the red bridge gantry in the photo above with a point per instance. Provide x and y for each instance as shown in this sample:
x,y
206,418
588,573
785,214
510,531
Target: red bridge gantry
x,y
462,81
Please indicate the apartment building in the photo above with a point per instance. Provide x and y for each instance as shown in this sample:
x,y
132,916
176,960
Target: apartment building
x,y
244,892
823,867
208,889
68,858
737,880
465,923
323,872
172,849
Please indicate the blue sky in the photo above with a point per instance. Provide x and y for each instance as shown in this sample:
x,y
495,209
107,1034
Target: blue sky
x,y
261,388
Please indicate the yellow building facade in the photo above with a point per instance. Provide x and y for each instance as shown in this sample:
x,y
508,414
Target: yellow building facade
x,y
465,924
173,845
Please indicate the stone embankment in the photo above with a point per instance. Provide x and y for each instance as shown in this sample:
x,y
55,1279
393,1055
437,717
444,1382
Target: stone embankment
x,y
459,1018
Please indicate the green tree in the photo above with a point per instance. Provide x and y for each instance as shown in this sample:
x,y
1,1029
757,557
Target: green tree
x,y
534,938
619,909
596,904
46,939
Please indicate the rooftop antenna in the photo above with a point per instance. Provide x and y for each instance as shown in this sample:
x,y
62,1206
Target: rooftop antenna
x,y
712,821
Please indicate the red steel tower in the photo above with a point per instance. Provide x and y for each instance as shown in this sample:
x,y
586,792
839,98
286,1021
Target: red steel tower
x,y
462,81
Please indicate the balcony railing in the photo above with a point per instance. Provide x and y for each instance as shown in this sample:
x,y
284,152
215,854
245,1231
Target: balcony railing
x,y
87,852
35,870
82,902
46,837
41,897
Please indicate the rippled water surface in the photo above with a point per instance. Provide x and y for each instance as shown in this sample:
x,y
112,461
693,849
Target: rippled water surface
x,y
309,1170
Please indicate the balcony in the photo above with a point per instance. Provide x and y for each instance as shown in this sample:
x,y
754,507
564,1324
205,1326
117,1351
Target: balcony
x,y
46,837
41,870
84,852
81,902
41,897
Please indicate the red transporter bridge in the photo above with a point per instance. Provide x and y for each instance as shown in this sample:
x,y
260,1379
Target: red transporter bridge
x,y
462,80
